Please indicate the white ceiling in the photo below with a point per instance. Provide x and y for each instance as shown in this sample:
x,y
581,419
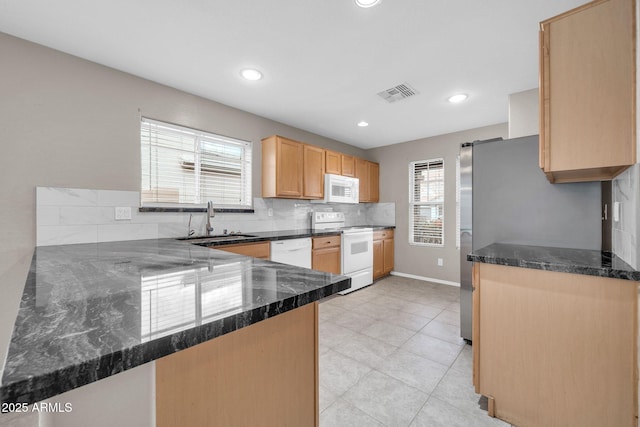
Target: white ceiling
x,y
323,61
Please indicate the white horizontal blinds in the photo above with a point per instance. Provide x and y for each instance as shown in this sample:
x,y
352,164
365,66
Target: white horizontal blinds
x,y
225,167
182,165
426,196
165,151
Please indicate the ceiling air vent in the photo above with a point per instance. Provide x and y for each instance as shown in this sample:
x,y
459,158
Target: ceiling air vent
x,y
398,93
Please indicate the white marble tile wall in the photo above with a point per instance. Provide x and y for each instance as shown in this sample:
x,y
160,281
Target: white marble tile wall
x,y
71,215
626,231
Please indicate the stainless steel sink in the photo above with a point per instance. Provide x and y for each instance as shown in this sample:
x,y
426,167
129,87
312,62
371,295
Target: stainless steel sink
x,y
217,238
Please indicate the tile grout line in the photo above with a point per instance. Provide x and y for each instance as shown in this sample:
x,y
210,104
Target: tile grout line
x,y
386,293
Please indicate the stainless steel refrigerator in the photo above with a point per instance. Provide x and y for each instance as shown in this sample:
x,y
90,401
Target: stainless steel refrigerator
x,y
505,198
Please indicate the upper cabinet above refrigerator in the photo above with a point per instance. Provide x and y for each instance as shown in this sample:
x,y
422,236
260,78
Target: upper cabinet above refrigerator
x,y
587,92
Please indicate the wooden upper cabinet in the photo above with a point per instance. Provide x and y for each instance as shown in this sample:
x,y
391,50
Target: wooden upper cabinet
x,y
333,162
368,174
362,173
313,170
374,182
587,92
348,165
295,170
282,167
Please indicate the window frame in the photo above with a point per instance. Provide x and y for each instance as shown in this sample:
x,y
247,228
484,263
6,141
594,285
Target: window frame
x,y
200,136
412,203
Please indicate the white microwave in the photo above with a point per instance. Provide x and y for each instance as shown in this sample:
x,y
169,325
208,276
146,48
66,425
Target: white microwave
x,y
341,189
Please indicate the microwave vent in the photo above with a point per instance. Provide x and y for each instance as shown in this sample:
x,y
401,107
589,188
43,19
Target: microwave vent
x,y
398,93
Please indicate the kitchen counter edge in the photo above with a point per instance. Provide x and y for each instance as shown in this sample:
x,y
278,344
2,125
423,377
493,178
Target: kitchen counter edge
x,y
268,236
563,260
33,389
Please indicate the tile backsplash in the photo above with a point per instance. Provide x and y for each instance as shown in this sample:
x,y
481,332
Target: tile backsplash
x,y
626,231
72,215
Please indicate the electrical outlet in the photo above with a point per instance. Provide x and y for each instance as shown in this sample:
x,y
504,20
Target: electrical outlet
x,y
440,262
270,212
616,211
123,213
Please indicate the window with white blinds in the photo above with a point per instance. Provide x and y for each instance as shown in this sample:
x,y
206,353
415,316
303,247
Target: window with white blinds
x,y
188,166
426,202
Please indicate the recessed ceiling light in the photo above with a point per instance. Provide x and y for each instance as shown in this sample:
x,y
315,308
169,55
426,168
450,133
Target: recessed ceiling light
x,y
367,3
251,74
459,97
363,124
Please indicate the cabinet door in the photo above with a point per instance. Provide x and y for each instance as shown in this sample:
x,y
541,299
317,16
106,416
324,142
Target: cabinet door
x,y
327,260
388,255
313,172
378,259
326,242
374,182
587,92
289,166
348,165
333,162
256,250
475,324
542,355
362,173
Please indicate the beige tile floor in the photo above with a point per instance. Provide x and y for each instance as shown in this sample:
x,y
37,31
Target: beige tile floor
x,y
391,355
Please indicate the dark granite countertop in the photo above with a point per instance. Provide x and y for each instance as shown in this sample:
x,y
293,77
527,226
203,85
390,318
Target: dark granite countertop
x,y
89,311
565,260
263,236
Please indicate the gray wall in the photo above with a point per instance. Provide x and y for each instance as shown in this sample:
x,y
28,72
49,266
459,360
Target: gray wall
x,y
524,113
67,122
513,202
394,187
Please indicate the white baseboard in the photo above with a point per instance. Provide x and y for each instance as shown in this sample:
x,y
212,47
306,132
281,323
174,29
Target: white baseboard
x,y
426,279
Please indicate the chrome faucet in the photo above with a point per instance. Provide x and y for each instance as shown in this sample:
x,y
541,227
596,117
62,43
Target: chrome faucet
x,y
210,214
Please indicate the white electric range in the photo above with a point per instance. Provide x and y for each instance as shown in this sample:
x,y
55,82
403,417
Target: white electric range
x,y
356,249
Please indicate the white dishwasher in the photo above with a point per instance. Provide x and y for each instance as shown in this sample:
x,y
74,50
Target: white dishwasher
x,y
293,252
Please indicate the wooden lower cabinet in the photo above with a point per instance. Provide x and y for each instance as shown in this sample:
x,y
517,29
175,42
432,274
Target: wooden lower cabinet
x,y
257,250
325,255
263,375
382,253
378,259
555,349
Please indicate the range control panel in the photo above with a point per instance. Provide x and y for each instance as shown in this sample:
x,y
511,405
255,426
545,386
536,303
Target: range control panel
x,y
327,220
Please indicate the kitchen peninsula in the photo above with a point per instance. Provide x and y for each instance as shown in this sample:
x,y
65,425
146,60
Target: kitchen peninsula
x,y
90,311
555,335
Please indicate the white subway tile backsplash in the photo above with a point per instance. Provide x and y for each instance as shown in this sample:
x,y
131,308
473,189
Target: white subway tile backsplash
x,y
626,231
48,215
115,232
66,234
118,198
82,216
52,196
77,215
